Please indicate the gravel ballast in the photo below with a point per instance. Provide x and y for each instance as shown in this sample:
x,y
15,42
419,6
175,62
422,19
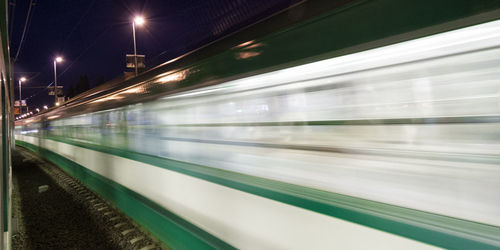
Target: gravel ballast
x,y
52,210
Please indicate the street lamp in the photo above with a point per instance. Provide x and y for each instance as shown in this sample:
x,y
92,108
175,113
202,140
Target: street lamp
x,y
45,107
139,20
58,59
22,79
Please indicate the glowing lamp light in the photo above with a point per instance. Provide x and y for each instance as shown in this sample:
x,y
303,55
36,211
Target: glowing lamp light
x,y
139,20
23,79
45,107
57,103
59,59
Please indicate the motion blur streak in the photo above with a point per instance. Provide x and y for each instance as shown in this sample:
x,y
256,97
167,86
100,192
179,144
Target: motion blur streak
x,y
414,124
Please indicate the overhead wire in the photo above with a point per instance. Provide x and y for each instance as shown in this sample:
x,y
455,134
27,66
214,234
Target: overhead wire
x,y
88,47
78,23
65,40
83,52
12,16
74,61
26,24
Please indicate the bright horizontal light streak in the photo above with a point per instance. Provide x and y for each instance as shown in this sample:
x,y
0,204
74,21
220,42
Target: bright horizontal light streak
x,y
245,43
132,90
173,77
29,131
247,54
420,72
444,44
109,98
193,93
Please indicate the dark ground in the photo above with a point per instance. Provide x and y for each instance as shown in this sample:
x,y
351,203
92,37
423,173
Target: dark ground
x,y
67,215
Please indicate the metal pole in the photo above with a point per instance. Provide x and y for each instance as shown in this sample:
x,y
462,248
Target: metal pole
x,y
135,49
20,99
55,83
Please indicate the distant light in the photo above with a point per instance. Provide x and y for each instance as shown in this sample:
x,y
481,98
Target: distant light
x,y
133,90
37,110
57,103
245,44
109,98
45,107
23,79
247,54
139,20
174,77
59,59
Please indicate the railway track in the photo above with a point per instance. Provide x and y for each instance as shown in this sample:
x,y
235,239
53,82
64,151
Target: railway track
x,y
54,210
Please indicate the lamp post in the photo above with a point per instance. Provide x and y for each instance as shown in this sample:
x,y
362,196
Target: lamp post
x,y
139,21
22,79
58,59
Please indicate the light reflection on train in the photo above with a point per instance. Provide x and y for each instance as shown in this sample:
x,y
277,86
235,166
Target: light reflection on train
x,y
351,125
414,124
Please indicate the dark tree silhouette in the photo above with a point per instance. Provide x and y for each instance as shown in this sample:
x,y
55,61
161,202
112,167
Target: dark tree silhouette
x,y
82,85
100,80
70,92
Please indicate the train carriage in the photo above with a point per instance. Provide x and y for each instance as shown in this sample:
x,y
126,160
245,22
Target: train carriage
x,y
357,125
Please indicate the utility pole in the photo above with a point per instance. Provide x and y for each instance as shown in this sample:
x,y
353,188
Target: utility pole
x,y
55,82
22,79
58,59
139,21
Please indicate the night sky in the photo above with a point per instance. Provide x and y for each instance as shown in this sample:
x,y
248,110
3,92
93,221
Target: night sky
x,y
94,36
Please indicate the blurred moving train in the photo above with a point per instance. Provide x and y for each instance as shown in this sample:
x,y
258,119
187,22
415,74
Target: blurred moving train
x,y
367,124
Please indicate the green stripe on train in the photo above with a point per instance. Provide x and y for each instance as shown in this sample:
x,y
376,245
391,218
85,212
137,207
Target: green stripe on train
x,y
168,227
442,231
